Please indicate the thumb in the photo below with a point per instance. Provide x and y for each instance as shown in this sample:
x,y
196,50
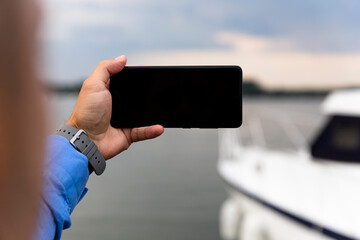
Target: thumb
x,y
105,69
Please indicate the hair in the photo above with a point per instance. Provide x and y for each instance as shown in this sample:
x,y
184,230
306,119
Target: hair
x,y
21,120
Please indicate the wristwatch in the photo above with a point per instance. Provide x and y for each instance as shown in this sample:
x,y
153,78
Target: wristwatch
x,y
81,142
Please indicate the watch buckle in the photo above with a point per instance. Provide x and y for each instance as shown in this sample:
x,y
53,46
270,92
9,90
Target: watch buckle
x,y
77,137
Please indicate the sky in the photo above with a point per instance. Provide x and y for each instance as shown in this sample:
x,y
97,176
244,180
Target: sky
x,y
281,43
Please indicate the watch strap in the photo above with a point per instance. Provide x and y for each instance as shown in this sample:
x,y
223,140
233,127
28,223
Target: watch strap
x,y
81,142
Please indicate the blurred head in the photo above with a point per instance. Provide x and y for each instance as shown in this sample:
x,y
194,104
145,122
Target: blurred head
x,y
21,119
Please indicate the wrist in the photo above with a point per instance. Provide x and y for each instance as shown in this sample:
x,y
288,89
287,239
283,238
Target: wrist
x,y
71,122
81,142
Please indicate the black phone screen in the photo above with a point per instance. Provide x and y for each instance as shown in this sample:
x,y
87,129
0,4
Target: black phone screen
x,y
177,96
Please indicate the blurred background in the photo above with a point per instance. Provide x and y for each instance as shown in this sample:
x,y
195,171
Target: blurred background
x,y
292,53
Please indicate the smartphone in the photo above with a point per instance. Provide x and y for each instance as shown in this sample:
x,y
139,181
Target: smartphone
x,y
177,96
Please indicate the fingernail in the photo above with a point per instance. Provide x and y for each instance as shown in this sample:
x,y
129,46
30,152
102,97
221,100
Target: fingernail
x,y
120,58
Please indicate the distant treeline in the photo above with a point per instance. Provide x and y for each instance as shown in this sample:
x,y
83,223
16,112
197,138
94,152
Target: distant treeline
x,y
250,88
68,88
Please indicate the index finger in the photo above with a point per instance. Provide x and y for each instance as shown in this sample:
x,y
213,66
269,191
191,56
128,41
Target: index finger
x,y
144,133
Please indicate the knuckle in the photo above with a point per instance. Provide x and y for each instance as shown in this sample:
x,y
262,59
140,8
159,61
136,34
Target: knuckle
x,y
136,136
102,64
87,86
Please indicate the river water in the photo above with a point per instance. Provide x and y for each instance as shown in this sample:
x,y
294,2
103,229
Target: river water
x,y
167,188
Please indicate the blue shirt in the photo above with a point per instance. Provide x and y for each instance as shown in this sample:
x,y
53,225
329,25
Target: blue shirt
x,y
65,174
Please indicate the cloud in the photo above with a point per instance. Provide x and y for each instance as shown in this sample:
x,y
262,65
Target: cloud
x,y
317,26
63,19
272,61
79,33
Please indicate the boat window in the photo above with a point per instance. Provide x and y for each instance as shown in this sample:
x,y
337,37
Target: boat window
x,y
339,140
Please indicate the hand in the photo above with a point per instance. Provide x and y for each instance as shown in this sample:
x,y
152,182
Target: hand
x,y
92,113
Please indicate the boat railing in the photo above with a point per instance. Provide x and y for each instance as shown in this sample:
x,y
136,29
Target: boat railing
x,y
272,129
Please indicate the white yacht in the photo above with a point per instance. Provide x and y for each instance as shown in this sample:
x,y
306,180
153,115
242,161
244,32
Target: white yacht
x,y
310,193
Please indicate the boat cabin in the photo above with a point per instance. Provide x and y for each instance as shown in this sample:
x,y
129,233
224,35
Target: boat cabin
x,y
339,140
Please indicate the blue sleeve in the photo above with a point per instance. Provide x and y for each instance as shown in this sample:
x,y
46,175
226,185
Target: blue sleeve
x,y
65,174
